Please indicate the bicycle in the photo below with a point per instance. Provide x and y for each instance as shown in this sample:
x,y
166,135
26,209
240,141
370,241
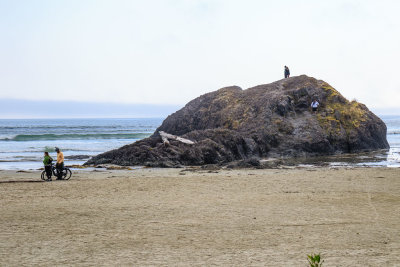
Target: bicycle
x,y
65,173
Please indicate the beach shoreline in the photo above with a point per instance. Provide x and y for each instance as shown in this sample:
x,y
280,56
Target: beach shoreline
x,y
22,142
197,217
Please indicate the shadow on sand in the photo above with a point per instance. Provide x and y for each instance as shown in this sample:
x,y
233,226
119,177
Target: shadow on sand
x,y
23,181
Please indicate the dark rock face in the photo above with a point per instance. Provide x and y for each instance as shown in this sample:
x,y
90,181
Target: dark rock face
x,y
272,120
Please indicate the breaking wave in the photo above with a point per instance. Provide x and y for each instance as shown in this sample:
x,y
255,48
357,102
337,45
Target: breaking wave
x,y
393,132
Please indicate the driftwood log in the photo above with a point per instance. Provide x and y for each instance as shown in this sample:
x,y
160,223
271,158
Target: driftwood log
x,y
165,136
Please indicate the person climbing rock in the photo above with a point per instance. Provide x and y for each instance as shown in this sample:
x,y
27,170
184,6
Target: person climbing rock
x,y
314,105
287,72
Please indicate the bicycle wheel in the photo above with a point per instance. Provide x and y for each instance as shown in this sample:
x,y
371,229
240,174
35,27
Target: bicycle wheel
x,y
43,176
66,174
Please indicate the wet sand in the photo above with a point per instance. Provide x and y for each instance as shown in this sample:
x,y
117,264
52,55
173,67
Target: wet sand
x,y
180,217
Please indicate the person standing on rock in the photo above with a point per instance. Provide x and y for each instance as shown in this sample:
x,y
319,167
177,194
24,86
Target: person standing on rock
x,y
287,72
314,105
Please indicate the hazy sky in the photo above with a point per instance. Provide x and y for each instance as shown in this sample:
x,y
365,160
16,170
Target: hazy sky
x,y
171,51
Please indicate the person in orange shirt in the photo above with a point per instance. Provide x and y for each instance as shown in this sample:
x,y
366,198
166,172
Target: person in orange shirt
x,y
59,164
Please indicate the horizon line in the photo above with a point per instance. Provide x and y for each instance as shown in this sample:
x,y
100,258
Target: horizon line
x,y
72,118
116,117
86,102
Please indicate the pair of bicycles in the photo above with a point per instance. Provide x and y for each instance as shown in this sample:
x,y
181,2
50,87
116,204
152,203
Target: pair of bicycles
x,y
63,174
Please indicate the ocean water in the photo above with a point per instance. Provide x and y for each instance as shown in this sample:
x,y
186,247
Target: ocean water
x,y
22,142
393,137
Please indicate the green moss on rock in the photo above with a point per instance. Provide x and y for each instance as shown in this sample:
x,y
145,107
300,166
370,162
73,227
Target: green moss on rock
x,y
338,112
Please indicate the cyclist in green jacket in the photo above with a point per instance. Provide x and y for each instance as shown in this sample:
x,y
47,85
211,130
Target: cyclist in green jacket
x,y
47,165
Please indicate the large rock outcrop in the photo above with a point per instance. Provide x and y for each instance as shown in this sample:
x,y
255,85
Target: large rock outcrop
x,y
272,120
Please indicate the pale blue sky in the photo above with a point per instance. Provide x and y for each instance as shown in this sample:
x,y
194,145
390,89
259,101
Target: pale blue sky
x,y
171,51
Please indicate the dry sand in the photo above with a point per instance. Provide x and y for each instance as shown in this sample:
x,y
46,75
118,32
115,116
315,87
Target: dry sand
x,y
177,217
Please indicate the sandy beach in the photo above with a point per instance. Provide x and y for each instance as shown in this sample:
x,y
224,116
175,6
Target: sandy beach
x,y
194,217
